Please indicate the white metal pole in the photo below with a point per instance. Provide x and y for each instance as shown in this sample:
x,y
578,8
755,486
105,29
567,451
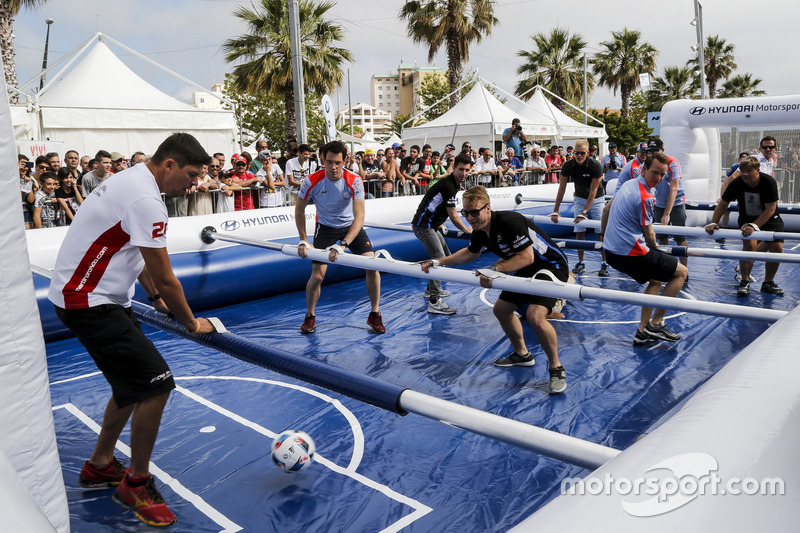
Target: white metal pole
x,y
297,72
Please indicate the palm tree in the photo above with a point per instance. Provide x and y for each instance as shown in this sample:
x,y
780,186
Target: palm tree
x,y
452,23
719,62
741,86
395,125
619,65
266,50
8,10
556,64
676,84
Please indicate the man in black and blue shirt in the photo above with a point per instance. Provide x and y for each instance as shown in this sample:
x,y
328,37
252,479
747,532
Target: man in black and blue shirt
x,y
526,252
439,204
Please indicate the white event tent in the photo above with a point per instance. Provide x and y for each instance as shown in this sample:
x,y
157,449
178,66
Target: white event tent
x,y
481,119
122,113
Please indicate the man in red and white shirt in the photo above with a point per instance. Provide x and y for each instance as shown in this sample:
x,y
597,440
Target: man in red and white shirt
x,y
117,237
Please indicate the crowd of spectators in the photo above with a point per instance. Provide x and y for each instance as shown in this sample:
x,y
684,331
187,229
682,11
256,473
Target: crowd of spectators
x,y
52,190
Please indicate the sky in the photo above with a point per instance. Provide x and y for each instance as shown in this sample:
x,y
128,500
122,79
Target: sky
x,y
186,37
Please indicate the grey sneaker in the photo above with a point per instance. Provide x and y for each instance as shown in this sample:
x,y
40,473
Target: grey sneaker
x,y
644,337
770,287
442,293
515,359
662,333
440,308
558,380
744,288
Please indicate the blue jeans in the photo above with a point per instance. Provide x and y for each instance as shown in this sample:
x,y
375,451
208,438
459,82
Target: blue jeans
x,y
436,247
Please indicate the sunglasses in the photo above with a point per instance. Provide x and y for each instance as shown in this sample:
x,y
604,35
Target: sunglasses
x,y
576,152
240,164
472,212
768,147
44,167
213,166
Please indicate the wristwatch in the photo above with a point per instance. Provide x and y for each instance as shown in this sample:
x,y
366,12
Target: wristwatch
x,y
343,243
493,267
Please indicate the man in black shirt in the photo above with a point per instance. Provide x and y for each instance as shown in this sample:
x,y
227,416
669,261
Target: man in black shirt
x,y
587,175
409,168
526,252
439,204
757,196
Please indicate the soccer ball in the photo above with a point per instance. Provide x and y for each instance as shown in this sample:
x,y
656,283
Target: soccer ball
x,y
293,450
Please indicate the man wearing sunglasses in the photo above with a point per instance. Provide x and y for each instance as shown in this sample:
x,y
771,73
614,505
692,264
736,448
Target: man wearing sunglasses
x,y
526,252
589,196
439,204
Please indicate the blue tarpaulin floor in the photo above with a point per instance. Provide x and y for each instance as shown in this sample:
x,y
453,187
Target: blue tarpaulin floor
x,y
378,471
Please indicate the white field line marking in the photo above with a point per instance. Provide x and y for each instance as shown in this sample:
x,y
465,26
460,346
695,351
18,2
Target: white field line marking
x,y
201,505
420,509
76,378
355,426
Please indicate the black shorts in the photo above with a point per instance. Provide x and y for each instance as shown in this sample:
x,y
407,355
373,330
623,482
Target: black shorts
x,y
325,236
773,224
654,265
128,360
676,218
522,300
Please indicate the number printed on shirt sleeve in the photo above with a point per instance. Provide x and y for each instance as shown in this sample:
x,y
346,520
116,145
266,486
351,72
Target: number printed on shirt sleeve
x,y
159,229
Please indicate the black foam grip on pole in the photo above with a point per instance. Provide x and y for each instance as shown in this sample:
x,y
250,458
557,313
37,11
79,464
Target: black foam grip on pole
x,y
363,388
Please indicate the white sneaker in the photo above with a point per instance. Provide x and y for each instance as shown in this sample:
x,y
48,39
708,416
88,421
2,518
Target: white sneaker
x,y
441,308
442,293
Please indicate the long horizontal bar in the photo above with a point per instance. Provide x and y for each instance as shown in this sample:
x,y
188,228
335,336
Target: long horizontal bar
x,y
693,251
387,396
542,441
682,230
523,285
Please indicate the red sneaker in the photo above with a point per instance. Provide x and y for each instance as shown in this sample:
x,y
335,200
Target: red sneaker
x,y
375,321
145,501
92,477
309,324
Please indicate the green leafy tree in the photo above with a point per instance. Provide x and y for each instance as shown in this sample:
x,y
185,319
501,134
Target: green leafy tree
x,y
8,10
719,62
677,83
618,66
396,124
556,63
741,86
454,24
265,53
263,116
625,132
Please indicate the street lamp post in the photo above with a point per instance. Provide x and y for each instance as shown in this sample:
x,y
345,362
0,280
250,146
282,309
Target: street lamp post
x,y
44,59
701,52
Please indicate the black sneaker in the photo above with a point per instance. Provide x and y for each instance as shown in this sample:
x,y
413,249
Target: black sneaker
x,y
644,337
603,270
744,288
558,380
662,333
580,268
515,359
770,287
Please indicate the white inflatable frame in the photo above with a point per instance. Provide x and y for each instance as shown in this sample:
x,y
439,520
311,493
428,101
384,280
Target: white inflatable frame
x,y
689,129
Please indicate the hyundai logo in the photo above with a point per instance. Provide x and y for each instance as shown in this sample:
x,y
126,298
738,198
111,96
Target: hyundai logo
x,y
230,225
697,110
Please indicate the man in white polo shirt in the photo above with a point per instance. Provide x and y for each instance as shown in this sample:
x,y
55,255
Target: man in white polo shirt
x,y
338,195
117,236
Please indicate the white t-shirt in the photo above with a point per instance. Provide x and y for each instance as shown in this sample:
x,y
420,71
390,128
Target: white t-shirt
x,y
99,260
767,165
481,164
299,171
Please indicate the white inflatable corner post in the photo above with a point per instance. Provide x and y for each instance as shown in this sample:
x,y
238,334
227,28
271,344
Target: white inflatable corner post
x,y
689,129
32,492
